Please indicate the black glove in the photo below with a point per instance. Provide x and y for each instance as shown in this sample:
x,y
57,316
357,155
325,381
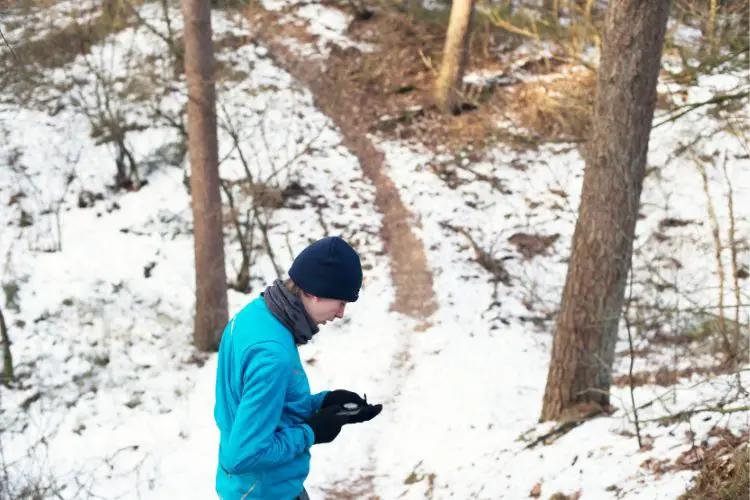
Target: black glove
x,y
368,412
326,424
341,397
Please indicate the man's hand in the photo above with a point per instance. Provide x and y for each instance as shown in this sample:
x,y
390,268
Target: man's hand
x,y
341,398
368,412
326,424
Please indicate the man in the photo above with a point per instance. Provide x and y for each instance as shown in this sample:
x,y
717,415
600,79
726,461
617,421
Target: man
x,y
267,418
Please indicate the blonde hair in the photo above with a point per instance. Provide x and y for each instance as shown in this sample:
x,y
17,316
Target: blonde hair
x,y
290,285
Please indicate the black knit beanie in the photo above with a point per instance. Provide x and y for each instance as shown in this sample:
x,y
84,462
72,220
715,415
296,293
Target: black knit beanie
x,y
329,268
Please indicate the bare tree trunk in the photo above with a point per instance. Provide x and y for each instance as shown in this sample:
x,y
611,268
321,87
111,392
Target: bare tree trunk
x,y
210,272
586,328
7,375
709,30
448,82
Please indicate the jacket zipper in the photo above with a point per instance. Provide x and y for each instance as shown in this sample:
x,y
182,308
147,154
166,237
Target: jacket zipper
x,y
249,491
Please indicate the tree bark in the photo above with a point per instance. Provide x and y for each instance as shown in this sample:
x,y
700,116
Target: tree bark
x,y
448,83
210,272
586,326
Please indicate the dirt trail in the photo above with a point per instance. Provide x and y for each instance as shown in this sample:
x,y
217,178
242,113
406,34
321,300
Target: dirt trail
x,y
353,110
348,107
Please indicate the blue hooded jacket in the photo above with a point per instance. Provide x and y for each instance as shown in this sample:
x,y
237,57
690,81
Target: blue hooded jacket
x,y
262,400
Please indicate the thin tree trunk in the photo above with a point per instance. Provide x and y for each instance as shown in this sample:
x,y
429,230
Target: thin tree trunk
x,y
448,83
7,375
710,29
210,272
586,328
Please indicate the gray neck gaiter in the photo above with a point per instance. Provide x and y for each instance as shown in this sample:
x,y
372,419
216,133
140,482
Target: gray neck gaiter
x,y
288,309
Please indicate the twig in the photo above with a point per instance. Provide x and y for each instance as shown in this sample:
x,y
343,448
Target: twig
x,y
230,128
566,426
484,258
682,415
728,351
168,39
687,108
502,23
669,391
733,253
630,369
555,434
5,41
302,151
269,249
243,275
427,62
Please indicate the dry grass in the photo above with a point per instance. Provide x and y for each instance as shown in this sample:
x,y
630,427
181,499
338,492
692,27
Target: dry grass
x,y
559,109
355,488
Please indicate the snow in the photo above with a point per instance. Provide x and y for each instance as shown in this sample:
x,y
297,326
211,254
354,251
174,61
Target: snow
x,y
327,25
114,402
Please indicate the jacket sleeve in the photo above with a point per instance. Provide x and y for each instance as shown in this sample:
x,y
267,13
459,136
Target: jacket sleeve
x,y
316,400
254,442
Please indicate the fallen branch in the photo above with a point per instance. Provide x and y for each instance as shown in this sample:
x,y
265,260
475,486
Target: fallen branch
x,y
555,434
684,415
503,24
687,108
484,259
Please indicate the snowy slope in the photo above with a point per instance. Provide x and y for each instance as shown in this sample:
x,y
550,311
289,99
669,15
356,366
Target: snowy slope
x,y
112,401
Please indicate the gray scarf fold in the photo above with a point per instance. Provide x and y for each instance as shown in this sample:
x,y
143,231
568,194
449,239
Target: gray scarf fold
x,y
288,309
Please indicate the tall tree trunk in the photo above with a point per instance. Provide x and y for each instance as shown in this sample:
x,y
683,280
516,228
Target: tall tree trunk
x,y
448,83
210,272
586,328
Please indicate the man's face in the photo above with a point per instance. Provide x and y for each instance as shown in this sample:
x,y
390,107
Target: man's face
x,y
323,310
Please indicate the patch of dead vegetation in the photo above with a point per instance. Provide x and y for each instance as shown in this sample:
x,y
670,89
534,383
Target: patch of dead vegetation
x,y
354,489
724,467
531,245
393,85
668,377
559,109
23,70
722,461
60,46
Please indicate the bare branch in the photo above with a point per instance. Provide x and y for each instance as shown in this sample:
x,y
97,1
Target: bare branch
x,y
687,108
5,41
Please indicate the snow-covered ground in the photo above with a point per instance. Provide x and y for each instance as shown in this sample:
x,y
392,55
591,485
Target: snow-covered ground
x,y
112,401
